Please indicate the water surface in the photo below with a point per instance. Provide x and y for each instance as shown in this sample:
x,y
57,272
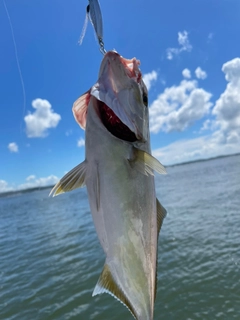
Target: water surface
x,y
50,258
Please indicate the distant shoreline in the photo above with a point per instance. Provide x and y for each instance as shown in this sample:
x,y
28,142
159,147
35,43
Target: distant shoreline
x,y
7,193
20,191
202,160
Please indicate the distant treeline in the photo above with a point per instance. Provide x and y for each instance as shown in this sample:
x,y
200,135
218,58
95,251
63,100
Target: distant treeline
x,y
14,192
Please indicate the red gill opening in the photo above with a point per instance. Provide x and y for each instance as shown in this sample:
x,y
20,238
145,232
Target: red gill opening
x,y
114,125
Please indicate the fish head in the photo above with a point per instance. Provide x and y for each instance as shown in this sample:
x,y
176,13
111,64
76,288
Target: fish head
x,y
123,98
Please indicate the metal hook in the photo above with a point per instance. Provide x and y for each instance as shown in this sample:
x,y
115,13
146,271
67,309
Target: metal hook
x,y
102,49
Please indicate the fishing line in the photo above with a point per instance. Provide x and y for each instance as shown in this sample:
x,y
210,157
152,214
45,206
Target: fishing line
x,y
18,64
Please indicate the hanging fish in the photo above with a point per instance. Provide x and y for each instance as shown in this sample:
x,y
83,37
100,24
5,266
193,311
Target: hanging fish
x,y
93,13
118,172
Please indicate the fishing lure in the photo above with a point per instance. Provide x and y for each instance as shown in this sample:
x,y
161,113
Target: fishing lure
x,y
94,14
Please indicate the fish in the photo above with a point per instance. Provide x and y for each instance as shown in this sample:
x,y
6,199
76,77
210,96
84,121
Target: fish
x,y
118,172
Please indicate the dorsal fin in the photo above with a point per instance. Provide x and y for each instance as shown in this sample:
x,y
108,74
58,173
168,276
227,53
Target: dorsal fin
x,y
106,284
72,180
80,107
161,214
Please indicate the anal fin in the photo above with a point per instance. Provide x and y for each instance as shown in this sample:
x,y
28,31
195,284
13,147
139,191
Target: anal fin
x,y
107,284
161,214
72,180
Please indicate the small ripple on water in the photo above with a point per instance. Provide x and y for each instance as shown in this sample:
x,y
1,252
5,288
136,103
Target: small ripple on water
x,y
51,259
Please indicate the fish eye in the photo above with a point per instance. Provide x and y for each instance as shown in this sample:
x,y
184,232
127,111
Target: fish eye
x,y
145,99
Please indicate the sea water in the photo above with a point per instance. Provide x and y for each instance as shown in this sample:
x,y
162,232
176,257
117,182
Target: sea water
x,y
50,257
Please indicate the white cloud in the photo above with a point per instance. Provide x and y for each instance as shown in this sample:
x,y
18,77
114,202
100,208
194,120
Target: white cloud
x,y
4,187
184,45
81,142
178,107
227,107
31,178
32,182
225,127
42,119
207,125
148,78
186,73
193,149
13,147
200,74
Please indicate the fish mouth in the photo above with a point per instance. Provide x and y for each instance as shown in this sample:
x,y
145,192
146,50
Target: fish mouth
x,y
130,66
114,125
118,84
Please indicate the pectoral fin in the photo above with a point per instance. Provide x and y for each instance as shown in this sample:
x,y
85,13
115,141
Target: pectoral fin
x,y
80,107
106,284
72,180
145,162
161,214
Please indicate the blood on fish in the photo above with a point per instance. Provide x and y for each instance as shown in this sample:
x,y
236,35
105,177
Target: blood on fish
x,y
114,125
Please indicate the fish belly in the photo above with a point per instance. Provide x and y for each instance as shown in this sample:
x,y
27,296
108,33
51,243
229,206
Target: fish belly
x,y
123,205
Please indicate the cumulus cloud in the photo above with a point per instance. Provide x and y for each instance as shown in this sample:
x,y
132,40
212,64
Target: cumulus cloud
x,y
32,182
13,147
184,45
148,78
200,74
81,142
208,125
31,178
4,186
225,126
227,107
178,107
186,73
42,119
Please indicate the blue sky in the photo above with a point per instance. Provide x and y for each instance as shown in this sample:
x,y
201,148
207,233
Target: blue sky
x,y
190,58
